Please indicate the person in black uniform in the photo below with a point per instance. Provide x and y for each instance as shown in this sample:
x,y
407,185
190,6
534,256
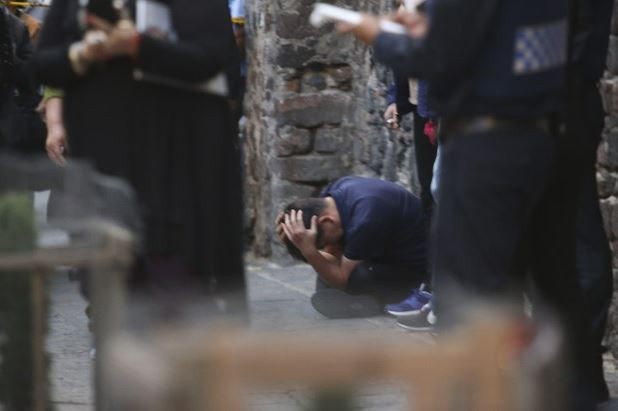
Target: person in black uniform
x,y
504,209
174,144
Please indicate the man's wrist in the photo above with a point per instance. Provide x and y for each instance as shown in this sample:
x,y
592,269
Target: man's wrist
x,y
309,252
55,127
368,30
134,45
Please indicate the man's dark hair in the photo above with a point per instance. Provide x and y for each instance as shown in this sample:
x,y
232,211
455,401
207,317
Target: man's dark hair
x,y
310,207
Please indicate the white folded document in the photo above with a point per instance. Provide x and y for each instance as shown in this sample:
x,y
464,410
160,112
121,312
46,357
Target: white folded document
x,y
324,13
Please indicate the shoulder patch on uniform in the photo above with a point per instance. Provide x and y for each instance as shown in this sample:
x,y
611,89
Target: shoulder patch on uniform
x,y
540,47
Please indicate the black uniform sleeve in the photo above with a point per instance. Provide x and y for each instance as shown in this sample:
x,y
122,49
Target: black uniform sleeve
x,y
22,74
7,59
205,47
453,41
592,37
402,95
51,59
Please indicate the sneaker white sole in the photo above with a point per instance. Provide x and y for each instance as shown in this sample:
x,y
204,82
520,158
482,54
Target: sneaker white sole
x,y
415,327
404,313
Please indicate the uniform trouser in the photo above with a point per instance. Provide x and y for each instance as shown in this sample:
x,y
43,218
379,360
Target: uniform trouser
x,y
425,155
594,261
595,272
507,209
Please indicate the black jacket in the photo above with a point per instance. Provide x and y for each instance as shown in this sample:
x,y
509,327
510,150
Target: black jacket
x,y
15,51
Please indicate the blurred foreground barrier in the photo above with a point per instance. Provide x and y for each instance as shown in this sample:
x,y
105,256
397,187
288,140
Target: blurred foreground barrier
x,y
483,367
82,234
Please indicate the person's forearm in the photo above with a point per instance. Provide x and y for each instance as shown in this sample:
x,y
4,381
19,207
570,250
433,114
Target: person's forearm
x,y
328,270
53,112
439,54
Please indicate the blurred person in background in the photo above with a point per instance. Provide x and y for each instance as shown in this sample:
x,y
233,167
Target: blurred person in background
x,y
238,75
411,96
27,15
142,106
21,129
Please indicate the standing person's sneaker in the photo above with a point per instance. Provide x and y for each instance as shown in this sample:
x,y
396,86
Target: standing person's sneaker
x,y
424,320
411,305
332,303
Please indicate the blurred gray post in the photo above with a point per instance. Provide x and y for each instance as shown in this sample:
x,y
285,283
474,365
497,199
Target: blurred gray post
x,y
108,301
97,215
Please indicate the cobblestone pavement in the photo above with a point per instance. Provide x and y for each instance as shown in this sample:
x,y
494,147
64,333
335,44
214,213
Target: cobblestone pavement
x,y
279,301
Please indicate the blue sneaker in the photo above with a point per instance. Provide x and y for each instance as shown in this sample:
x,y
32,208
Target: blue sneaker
x,y
411,305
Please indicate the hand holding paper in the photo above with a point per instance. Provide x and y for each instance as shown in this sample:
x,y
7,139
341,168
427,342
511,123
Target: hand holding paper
x,y
324,13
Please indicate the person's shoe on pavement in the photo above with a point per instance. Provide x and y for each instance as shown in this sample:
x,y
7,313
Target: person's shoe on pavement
x,y
412,305
424,320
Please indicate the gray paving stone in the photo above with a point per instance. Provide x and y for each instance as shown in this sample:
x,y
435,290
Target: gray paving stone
x,y
279,301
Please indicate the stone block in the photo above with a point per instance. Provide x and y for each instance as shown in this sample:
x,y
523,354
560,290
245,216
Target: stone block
x,y
607,206
288,191
293,56
284,192
609,92
606,183
312,110
295,25
614,247
314,81
342,76
611,122
311,169
614,218
611,139
292,140
330,140
612,55
603,154
292,85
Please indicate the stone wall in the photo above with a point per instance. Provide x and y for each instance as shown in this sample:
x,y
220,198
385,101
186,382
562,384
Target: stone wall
x,y
314,112
607,175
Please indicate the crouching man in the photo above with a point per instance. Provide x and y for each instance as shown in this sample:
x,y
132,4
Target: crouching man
x,y
365,238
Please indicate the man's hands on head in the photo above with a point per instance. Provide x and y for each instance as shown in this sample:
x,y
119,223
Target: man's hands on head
x,y
294,229
330,264
279,224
